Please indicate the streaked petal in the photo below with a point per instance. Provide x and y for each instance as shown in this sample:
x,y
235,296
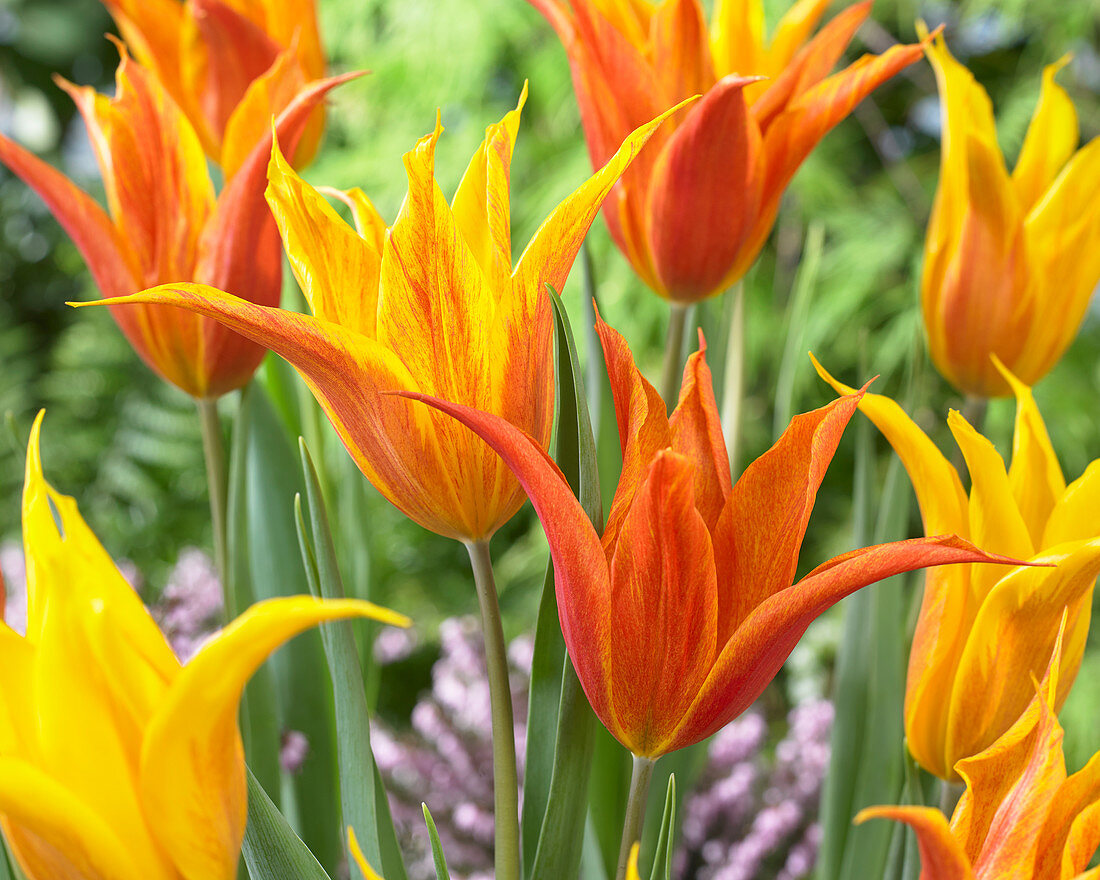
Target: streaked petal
x,y
680,49
1050,141
151,29
581,575
56,835
1071,833
192,763
1076,516
793,29
940,854
763,641
664,604
703,193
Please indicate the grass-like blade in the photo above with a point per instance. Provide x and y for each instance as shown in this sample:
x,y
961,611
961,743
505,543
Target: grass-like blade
x,y
272,851
437,848
662,857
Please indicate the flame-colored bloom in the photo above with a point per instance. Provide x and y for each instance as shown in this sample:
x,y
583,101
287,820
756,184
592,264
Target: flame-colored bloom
x,y
984,632
116,763
1020,817
681,613
694,211
165,223
229,64
1010,261
431,304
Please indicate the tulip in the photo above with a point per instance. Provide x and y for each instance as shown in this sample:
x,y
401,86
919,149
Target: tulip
x,y
1020,817
431,304
693,213
983,633
229,65
116,762
1010,261
682,612
165,223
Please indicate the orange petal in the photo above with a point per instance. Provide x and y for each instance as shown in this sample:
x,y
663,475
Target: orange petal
x,y
793,29
1050,141
1071,833
941,856
664,604
680,49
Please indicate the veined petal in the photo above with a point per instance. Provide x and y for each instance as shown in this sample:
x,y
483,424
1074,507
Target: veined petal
x,y
940,854
151,28
696,432
337,269
1016,627
192,763
664,604
760,531
943,502
54,834
754,652
793,29
1034,475
1076,516
643,426
581,575
481,203
680,49
1050,141
368,222
1071,833
704,191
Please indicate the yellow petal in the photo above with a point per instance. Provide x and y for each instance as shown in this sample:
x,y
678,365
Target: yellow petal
x,y
54,834
737,37
793,30
632,864
18,724
1035,475
336,268
361,860
192,763
1050,141
368,222
1076,516
481,203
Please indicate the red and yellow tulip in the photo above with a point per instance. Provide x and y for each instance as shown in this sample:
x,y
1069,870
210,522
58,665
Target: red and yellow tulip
x,y
164,223
116,763
983,632
1021,817
1010,260
431,304
229,64
682,612
694,211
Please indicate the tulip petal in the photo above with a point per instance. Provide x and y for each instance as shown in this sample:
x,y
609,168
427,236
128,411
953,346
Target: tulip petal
x,y
738,37
1050,141
940,854
56,835
18,721
754,652
680,49
1076,516
696,432
581,575
643,426
793,29
192,763
1035,474
761,528
1015,627
337,269
703,193
1071,833
151,29
664,604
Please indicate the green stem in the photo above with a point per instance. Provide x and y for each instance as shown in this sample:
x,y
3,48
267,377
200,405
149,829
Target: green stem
x,y
640,776
505,781
217,485
674,354
950,792
734,384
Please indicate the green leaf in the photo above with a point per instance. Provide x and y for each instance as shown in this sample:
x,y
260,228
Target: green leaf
x,y
560,722
303,699
355,761
6,871
662,858
271,850
437,848
607,793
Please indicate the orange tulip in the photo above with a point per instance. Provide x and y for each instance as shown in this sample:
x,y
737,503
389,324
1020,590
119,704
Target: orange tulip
x,y
230,65
1010,261
693,213
983,632
431,304
1020,818
165,223
679,616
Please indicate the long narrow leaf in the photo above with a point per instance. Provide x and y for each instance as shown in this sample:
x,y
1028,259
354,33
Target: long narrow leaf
x,y
662,857
272,851
437,848
355,761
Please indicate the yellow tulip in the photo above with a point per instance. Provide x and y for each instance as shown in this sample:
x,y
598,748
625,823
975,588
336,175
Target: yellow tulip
x,y
984,631
1010,261
117,763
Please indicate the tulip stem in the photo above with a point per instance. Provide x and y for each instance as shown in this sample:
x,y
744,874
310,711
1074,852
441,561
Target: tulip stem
x,y
950,792
505,780
674,354
734,384
217,485
640,776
